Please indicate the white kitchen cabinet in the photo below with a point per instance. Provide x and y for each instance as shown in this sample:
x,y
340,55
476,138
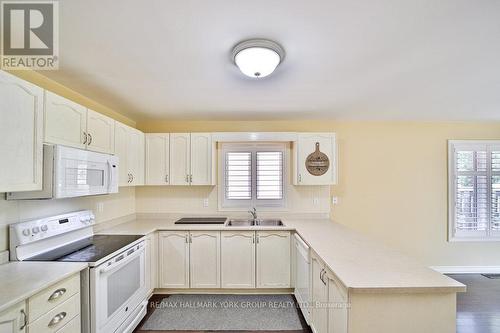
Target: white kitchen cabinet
x,y
273,259
306,145
191,159
65,121
14,319
201,159
338,300
180,146
129,147
238,259
174,259
204,260
157,159
21,125
100,132
151,261
319,311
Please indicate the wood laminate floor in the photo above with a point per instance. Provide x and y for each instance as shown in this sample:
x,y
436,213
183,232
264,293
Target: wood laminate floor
x,y
478,309
157,298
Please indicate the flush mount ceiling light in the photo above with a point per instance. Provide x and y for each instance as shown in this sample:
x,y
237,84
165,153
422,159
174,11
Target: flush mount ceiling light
x,y
258,57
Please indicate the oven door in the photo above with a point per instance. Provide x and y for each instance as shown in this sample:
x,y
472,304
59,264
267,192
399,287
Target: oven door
x,y
80,172
117,287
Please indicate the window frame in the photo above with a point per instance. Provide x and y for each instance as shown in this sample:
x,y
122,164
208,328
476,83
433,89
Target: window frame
x,y
488,235
262,204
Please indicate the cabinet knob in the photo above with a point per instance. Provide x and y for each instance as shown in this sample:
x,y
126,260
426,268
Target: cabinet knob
x,y
57,319
56,294
166,179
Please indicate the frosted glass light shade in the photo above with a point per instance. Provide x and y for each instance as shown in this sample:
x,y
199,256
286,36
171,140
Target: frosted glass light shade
x,y
257,58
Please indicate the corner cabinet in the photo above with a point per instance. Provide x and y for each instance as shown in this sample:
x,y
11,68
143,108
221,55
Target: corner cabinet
x,y
307,144
14,319
129,147
192,160
71,124
21,125
273,259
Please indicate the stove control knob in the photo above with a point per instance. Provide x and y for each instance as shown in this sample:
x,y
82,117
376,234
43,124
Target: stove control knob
x,y
26,232
35,230
44,227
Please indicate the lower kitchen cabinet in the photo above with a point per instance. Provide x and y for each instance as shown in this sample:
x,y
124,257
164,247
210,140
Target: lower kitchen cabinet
x,y
14,319
238,259
204,259
330,299
174,259
273,259
151,260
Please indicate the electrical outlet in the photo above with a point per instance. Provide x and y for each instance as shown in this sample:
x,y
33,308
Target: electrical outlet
x,y
316,201
100,207
335,200
205,202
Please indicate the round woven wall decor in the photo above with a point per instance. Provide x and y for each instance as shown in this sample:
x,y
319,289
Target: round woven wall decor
x,y
317,163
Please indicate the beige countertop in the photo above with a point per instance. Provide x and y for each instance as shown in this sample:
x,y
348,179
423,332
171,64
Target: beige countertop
x,y
21,280
360,263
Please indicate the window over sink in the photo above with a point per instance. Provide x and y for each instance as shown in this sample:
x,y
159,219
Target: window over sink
x,y
474,190
253,175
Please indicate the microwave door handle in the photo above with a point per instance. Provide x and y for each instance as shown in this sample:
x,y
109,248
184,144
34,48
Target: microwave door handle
x,y
110,176
123,261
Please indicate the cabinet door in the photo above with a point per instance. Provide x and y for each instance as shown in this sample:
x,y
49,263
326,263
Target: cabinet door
x,y
21,125
135,156
13,320
121,141
306,145
179,158
337,296
157,159
273,259
201,159
319,314
174,259
204,259
238,259
101,133
65,121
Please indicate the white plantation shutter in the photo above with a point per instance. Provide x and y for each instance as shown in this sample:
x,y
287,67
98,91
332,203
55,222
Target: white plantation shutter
x,y
253,174
238,176
475,186
269,175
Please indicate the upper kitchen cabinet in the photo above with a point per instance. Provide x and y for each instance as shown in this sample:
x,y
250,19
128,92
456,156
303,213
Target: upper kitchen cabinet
x,y
191,159
315,159
157,159
71,124
129,147
21,125
65,121
101,133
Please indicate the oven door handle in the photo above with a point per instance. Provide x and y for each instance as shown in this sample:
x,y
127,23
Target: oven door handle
x,y
123,261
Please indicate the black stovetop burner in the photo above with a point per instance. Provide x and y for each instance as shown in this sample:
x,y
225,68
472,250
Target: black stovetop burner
x,y
91,249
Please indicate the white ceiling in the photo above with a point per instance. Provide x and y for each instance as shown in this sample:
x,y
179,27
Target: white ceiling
x,y
385,59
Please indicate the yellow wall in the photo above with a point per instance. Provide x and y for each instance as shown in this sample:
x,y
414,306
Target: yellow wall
x,y
392,180
48,84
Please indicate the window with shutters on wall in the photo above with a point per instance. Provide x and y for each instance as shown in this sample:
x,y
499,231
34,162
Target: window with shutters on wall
x,y
474,190
253,175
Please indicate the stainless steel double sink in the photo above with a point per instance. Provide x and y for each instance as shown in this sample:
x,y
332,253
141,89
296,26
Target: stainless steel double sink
x,y
254,223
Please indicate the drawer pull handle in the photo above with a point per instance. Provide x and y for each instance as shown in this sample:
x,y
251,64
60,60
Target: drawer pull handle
x,y
56,294
57,319
24,320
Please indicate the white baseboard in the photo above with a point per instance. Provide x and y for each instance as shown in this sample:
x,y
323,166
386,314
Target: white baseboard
x,y
466,269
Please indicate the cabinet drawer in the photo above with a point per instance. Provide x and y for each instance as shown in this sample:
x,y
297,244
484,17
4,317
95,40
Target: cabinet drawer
x,y
58,317
73,326
51,297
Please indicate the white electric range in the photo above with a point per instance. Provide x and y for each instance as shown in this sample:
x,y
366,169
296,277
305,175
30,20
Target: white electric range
x,y
114,291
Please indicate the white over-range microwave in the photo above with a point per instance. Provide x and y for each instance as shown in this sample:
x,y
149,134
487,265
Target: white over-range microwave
x,y
71,172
